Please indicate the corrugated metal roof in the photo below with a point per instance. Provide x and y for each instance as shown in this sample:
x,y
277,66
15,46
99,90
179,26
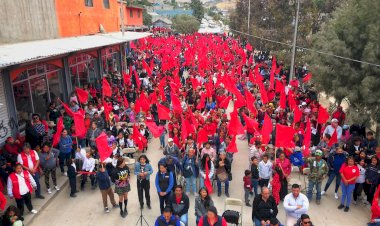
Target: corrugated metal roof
x,y
17,53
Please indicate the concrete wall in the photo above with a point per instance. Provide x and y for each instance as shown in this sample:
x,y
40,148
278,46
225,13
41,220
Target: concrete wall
x,y
24,20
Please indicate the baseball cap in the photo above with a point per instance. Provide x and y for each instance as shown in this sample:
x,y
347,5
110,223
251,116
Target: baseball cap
x,y
170,140
334,120
318,153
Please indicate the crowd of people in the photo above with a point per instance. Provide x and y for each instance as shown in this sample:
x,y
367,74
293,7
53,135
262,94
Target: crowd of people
x,y
178,89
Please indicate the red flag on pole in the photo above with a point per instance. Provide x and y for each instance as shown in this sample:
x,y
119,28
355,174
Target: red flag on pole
x,y
138,82
163,112
307,78
224,104
249,47
103,149
154,129
235,127
232,148
250,99
202,136
272,72
251,123
107,91
334,139
82,95
177,108
266,129
207,182
80,128
126,104
67,109
202,101
57,134
297,115
146,67
284,136
323,115
307,139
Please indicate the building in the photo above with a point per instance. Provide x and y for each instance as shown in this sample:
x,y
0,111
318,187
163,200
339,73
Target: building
x,y
63,50
163,23
173,12
134,18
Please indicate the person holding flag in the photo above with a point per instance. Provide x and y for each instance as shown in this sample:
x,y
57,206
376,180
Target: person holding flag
x,y
206,172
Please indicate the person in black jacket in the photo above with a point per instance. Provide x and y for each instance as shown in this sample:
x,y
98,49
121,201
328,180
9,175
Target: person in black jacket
x,y
255,174
371,179
223,173
72,175
179,202
167,218
264,208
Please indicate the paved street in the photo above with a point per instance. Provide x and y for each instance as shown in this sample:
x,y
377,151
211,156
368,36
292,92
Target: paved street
x,y
87,209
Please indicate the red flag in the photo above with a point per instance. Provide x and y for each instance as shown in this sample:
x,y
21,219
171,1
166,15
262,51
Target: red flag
x,y
279,86
154,129
284,136
107,91
67,109
163,112
297,115
307,78
184,130
107,109
323,115
235,127
207,181
263,92
80,128
266,129
132,45
177,108
82,95
224,103
146,67
232,148
144,102
3,201
126,104
272,72
283,100
202,136
375,209
127,78
250,99
57,134
249,47
138,82
251,123
334,139
307,139
103,149
202,101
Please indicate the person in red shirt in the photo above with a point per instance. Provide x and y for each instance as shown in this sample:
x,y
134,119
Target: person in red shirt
x,y
11,150
349,173
212,218
247,186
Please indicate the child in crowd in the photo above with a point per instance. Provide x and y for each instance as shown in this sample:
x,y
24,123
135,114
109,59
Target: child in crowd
x,y
265,171
88,169
254,174
247,186
360,181
72,175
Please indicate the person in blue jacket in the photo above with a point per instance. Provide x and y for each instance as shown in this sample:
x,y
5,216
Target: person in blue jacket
x,y
167,218
65,149
164,185
172,164
143,170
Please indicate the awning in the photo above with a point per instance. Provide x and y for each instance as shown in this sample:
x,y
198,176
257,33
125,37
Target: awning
x,y
11,54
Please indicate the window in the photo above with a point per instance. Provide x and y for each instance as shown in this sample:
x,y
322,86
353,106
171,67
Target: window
x,y
131,13
88,3
106,4
138,13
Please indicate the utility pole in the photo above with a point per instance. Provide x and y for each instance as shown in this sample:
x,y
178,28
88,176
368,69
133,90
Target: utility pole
x,y
294,42
249,14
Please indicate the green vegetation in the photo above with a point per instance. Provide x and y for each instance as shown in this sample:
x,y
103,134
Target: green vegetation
x,y
198,9
185,24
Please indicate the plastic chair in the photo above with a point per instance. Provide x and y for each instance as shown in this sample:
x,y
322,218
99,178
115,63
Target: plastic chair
x,y
236,203
130,162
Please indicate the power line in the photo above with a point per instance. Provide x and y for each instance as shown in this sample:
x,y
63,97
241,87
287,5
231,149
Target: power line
x,y
311,50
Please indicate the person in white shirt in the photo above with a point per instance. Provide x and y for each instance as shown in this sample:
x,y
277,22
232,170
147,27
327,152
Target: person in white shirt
x,y
331,128
265,171
20,186
88,168
295,205
256,151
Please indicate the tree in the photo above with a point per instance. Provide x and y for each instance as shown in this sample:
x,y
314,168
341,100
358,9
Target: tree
x,y
185,24
353,33
198,10
147,19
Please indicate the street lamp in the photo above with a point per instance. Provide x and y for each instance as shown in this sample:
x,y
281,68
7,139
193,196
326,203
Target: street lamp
x,y
294,42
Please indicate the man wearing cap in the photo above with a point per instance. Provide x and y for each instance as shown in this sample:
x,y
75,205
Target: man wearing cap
x,y
331,128
172,149
318,170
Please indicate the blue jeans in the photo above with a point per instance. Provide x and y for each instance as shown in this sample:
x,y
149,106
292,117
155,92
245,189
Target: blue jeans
x,y
202,182
255,185
162,140
226,184
184,219
347,194
332,175
310,190
257,222
191,182
36,177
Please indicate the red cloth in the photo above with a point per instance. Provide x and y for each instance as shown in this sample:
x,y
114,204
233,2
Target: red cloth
x,y
102,145
375,209
202,101
323,115
57,135
297,115
250,102
16,186
307,78
349,172
144,102
247,181
138,82
82,95
80,128
24,158
67,109
107,91
178,199
235,127
3,201
283,100
249,47
207,181
202,136
224,103
232,148
146,67
276,187
334,139
125,102
284,136
163,112
251,124
307,138
176,103
224,222
154,129
266,129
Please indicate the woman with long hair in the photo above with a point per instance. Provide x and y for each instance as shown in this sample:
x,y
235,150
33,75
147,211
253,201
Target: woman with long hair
x,y
349,172
202,203
12,217
202,169
143,170
120,177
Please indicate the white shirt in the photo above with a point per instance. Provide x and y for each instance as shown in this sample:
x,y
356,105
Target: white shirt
x,y
29,157
330,130
22,184
88,164
265,169
291,203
